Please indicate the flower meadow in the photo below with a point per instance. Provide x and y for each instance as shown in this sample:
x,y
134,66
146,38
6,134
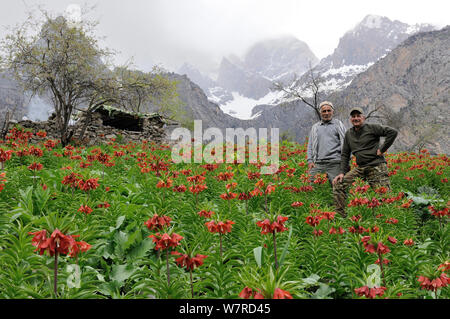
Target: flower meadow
x,y
124,221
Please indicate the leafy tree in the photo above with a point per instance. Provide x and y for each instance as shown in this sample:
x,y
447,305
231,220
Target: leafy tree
x,y
140,91
63,60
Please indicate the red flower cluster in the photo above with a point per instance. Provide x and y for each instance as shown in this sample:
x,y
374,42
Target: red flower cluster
x,y
381,190
293,189
103,205
370,292
360,189
297,204
158,222
438,213
248,293
219,227
281,294
244,196
35,166
85,209
358,202
225,176
339,231
189,262
164,184
2,176
255,175
179,188
5,155
89,184
445,266
206,214
165,240
71,179
313,220
41,134
277,226
195,189
103,158
435,284
35,151
210,167
228,196
58,243
380,247
373,203
391,220
196,179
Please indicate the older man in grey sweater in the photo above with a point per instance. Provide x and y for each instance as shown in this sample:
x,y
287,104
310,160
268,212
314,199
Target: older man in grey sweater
x,y
325,144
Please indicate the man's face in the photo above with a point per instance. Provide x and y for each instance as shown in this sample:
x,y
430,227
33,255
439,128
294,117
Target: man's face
x,y
357,119
326,113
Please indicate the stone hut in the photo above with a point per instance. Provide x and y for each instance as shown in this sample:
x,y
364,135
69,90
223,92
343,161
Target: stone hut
x,y
106,123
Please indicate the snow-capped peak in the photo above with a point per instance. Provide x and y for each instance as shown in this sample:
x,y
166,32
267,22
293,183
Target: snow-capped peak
x,y
372,21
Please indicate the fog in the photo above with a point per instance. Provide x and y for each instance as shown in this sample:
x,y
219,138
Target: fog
x,y
200,32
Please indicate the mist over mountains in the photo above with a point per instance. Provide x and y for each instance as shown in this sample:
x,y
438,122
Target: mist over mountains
x,y
245,82
365,69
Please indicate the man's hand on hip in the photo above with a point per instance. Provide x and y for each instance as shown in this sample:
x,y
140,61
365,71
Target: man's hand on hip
x,y
338,179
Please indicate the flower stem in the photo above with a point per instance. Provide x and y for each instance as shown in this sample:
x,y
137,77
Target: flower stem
x,y
275,249
167,266
55,275
380,258
220,244
192,285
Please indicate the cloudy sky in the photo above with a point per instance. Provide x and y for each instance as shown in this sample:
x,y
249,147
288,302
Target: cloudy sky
x,y
201,32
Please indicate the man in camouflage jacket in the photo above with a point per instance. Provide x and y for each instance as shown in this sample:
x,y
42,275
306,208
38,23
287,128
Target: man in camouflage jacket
x,y
363,141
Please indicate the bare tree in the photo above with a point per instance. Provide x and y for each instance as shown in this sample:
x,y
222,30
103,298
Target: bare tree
x,y
308,92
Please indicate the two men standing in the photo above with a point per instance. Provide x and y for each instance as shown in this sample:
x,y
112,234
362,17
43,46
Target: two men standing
x,y
363,141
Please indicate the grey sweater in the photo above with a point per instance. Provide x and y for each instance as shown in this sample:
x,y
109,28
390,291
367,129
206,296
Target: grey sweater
x,y
325,141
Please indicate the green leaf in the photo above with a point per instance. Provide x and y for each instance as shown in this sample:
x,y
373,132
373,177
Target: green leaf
x,y
285,249
120,273
140,250
257,252
323,291
119,221
74,278
311,280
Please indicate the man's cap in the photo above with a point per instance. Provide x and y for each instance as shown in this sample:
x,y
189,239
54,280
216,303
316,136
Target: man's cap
x,y
326,103
356,109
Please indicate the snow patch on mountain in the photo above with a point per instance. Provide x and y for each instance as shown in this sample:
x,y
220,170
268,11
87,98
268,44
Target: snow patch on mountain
x,y
241,107
347,70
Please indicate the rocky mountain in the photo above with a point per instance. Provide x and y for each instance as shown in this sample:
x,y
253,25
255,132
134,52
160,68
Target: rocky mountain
x,y
280,58
197,106
245,82
411,88
235,78
359,48
203,81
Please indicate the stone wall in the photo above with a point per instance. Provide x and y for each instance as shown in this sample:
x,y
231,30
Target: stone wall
x,y
96,133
